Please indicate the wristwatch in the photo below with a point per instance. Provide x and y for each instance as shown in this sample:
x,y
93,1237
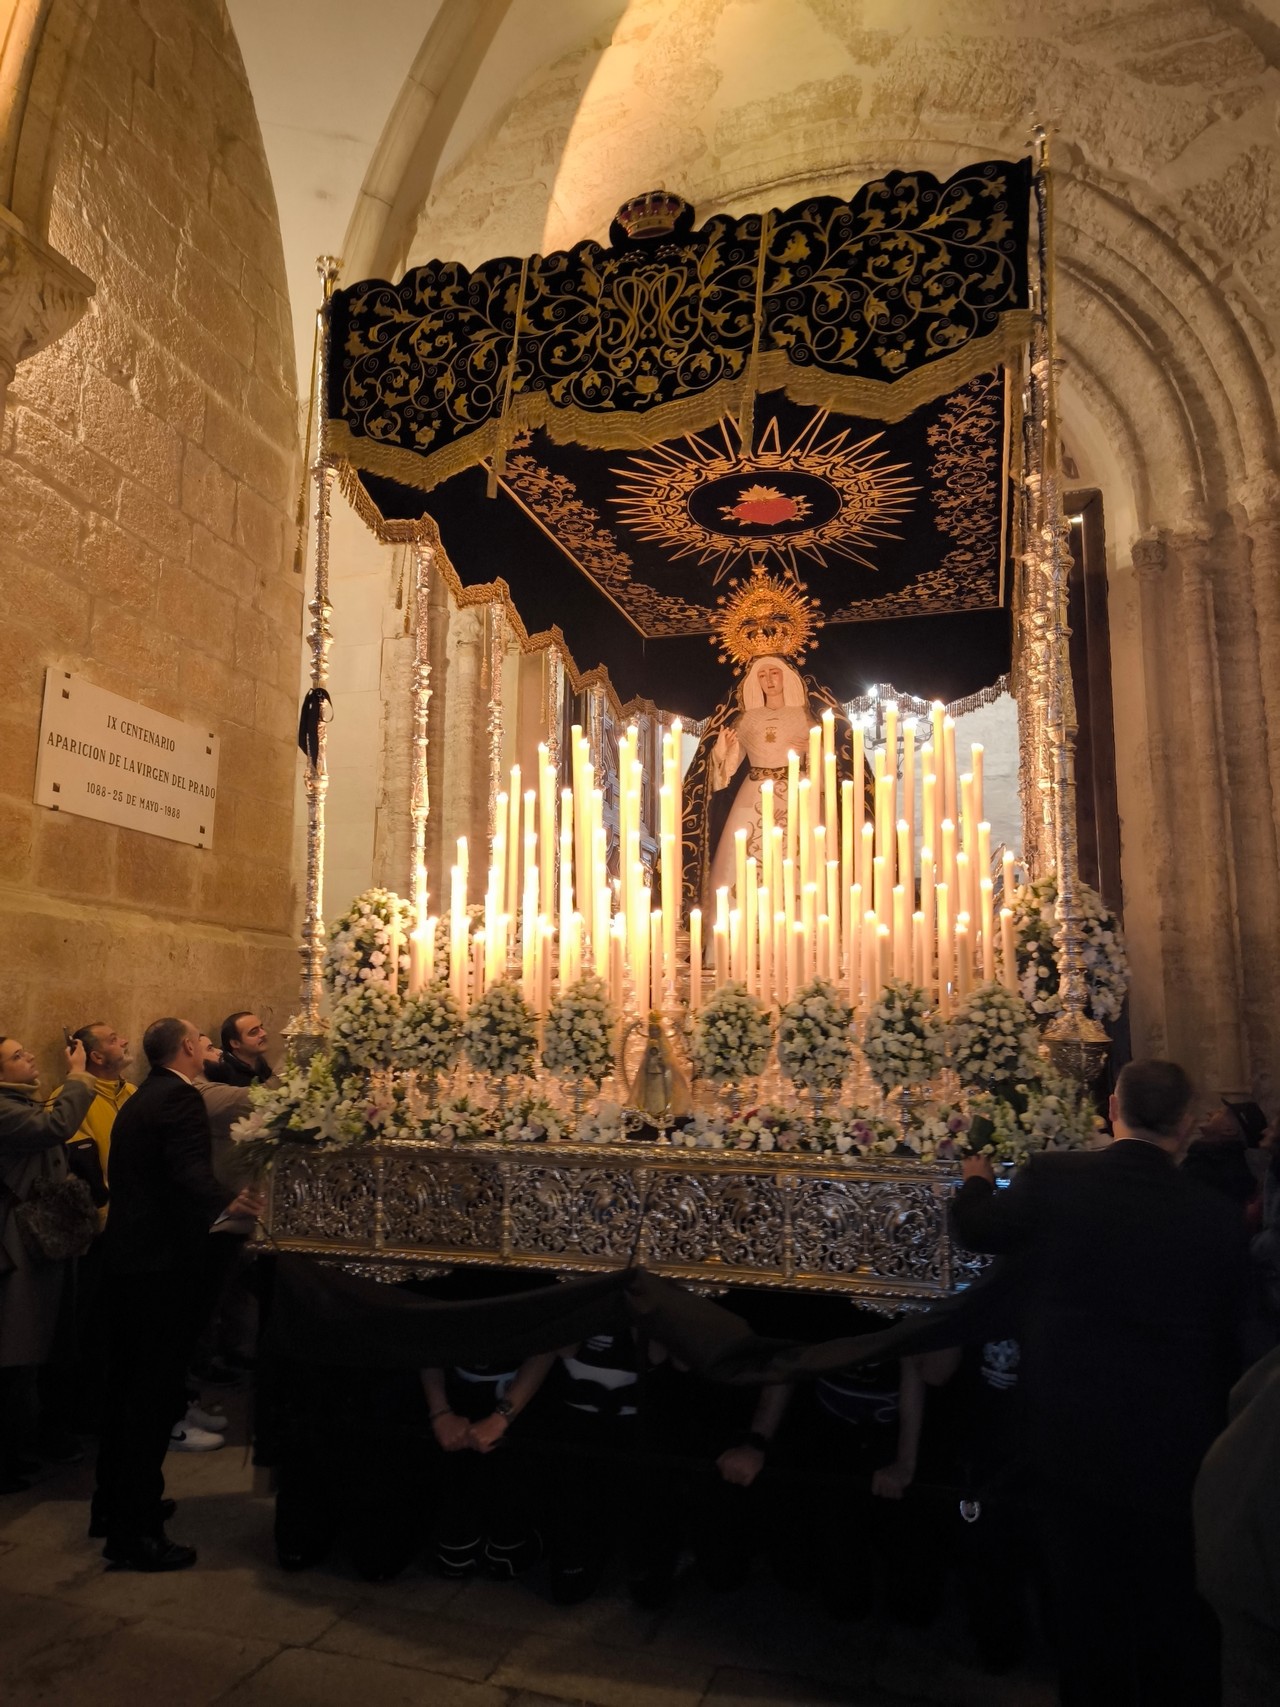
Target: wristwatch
x,y
504,1408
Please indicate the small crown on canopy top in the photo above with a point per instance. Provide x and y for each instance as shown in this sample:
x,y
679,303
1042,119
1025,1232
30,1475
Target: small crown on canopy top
x,y
764,616
656,213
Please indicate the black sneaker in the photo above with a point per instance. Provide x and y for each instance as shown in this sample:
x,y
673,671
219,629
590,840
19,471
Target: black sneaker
x,y
457,1558
99,1529
148,1553
504,1561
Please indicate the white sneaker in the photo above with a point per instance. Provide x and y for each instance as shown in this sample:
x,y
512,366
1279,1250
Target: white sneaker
x,y
210,1420
187,1439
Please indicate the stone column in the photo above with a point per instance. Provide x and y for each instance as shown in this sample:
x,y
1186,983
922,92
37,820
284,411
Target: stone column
x,y
1213,898
1264,565
41,297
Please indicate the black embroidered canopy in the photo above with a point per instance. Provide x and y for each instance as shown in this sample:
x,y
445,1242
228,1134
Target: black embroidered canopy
x,y
822,388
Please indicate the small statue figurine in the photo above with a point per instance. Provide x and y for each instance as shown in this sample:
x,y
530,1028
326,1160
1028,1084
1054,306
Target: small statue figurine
x,y
659,1088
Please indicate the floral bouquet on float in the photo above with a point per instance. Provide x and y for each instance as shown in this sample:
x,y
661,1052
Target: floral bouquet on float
x,y
310,1105
815,1038
363,1028
359,948
427,1035
500,1035
902,1038
991,1041
731,1037
578,1038
1106,966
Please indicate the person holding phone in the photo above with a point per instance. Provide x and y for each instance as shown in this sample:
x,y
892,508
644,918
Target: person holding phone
x,y
32,1149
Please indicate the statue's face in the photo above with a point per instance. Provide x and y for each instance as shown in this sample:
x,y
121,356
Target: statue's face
x,y
769,677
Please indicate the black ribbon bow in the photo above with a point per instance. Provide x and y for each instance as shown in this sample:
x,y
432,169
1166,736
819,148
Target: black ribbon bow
x,y
317,708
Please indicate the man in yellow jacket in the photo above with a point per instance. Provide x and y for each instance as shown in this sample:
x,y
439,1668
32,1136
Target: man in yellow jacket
x,y
106,1056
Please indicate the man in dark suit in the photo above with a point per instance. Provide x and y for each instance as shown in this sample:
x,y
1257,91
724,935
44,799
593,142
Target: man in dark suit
x,y
1135,1278
164,1199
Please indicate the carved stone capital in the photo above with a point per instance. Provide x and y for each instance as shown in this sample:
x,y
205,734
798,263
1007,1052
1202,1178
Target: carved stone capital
x,y
1150,560
41,295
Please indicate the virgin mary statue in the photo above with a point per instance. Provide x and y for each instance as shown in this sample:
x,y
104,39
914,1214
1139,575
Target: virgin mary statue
x,y
746,743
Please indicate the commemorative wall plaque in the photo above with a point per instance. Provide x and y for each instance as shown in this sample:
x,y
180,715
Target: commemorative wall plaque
x,y
105,757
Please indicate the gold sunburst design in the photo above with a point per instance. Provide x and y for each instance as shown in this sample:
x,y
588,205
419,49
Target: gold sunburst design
x,y
763,616
828,494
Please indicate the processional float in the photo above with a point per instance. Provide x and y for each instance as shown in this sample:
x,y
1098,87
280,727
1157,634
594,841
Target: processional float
x,y
767,432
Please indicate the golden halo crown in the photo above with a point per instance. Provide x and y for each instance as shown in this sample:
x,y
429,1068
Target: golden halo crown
x,y
763,615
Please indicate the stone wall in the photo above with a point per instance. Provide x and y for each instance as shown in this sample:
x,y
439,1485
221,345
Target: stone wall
x,y
147,476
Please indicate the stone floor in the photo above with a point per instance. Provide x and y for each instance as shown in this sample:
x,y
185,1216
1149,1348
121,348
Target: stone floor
x,y
237,1632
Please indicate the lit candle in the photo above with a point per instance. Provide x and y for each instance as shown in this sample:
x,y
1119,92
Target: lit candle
x,y
566,897
927,909
929,805
968,823
695,959
815,758
883,951
575,947
891,737
964,884
949,773
776,862
655,960
793,810
964,964
512,891
546,829
722,907
885,825
419,964
720,937
870,966
788,907
808,927
858,784
920,972
750,911
880,888
901,934
828,735
948,872
670,909
617,959
833,908
853,944
822,963
640,969
904,872
1008,878
740,867
477,964
529,927
937,716
805,833
795,957
766,831
819,872
1008,950
498,853
986,897
908,809
764,934
977,766
866,859
781,939
677,783
848,869
946,959
831,800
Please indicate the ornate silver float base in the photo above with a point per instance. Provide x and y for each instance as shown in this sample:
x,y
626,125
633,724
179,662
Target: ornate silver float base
x,y
875,1229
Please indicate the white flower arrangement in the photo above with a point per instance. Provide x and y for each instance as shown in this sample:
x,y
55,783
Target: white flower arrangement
x,y
1059,1116
1106,966
902,1039
531,1119
363,1025
457,1121
815,1044
991,1039
605,1122
731,1037
860,1134
943,1132
359,948
308,1106
500,1032
427,1035
578,1036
